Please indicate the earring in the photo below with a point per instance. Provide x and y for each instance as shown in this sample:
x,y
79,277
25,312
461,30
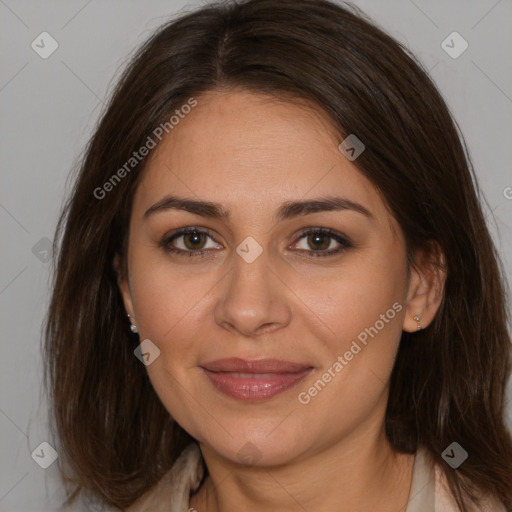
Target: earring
x,y
133,327
417,319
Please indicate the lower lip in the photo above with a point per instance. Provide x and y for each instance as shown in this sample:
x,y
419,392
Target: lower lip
x,y
254,388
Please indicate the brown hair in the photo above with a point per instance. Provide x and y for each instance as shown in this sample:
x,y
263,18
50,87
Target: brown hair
x,y
116,439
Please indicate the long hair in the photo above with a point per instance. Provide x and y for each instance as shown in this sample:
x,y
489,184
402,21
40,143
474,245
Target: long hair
x,y
116,439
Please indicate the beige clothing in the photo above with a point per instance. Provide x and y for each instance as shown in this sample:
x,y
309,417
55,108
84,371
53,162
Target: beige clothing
x,y
172,493
429,490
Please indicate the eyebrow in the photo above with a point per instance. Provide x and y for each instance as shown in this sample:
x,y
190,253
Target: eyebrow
x,y
287,210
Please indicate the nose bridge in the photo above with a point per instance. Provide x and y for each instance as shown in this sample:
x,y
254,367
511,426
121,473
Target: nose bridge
x,y
251,297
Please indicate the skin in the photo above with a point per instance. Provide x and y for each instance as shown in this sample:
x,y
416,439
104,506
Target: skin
x,y
252,153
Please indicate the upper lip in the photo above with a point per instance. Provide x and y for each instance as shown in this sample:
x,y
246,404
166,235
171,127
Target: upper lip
x,y
236,364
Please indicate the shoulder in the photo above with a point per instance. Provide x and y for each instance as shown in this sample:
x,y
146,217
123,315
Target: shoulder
x,y
430,490
172,492
445,502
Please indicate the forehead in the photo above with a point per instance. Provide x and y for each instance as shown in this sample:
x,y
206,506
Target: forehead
x,y
252,151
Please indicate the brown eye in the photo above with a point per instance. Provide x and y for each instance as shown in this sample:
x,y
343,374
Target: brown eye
x,y
189,242
318,241
322,242
194,241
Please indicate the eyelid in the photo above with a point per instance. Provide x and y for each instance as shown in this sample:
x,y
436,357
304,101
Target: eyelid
x,y
167,239
343,241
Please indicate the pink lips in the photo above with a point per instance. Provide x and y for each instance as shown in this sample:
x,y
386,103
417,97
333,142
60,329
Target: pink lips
x,y
254,380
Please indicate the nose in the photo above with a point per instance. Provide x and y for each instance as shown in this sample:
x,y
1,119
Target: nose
x,y
253,300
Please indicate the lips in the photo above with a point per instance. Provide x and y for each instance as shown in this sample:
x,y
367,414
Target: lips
x,y
254,380
236,364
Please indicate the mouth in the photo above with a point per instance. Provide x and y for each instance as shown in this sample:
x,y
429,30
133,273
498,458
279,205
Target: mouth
x,y
255,380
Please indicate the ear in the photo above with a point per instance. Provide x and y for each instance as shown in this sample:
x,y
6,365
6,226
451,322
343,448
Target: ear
x,y
425,287
124,286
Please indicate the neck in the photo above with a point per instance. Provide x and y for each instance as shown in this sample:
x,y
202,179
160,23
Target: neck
x,y
350,475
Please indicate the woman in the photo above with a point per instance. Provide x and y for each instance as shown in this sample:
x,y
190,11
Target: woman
x,y
275,287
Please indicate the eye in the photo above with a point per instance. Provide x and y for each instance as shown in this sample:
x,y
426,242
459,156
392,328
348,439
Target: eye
x,y
319,240
193,241
189,241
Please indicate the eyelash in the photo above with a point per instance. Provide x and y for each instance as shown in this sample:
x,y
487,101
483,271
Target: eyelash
x,y
344,242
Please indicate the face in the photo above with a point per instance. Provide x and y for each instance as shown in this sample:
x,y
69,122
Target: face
x,y
322,290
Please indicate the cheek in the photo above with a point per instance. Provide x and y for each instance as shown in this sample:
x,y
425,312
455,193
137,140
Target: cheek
x,y
359,349
361,313
167,296
168,306
365,293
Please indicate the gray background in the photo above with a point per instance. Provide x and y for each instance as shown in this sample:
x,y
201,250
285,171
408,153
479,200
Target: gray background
x,y
48,111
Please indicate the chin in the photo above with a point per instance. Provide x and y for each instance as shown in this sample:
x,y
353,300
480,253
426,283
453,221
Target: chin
x,y
258,448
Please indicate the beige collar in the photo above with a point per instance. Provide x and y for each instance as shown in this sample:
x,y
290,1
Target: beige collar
x,y
422,493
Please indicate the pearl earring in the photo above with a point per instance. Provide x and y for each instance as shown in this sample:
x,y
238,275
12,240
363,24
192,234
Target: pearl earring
x,y
133,327
417,319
